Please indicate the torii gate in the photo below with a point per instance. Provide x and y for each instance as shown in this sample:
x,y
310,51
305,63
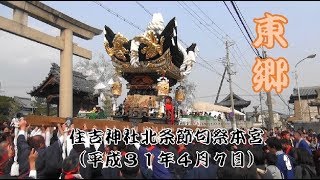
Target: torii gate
x,y
68,27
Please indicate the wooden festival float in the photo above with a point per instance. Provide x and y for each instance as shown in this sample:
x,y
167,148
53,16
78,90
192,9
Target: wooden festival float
x,y
152,63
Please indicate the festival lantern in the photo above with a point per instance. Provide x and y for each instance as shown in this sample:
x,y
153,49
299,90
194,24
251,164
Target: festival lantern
x,y
163,86
180,94
163,91
116,89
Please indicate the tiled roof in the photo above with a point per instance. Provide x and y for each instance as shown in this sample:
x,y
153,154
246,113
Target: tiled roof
x,y
266,112
80,84
238,101
305,92
24,102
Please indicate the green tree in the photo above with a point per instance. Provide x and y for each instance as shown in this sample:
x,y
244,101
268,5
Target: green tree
x,y
8,108
53,110
40,105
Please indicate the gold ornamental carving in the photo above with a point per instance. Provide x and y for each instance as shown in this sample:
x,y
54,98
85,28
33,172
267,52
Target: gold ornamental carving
x,y
116,89
162,65
117,50
153,46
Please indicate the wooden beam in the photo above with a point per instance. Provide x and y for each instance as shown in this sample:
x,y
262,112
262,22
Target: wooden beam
x,y
54,18
101,123
40,37
78,122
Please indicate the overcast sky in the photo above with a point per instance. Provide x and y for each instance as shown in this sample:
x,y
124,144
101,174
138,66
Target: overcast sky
x,y
24,64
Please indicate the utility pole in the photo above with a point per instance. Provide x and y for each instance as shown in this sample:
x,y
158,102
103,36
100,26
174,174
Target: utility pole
x,y
233,122
269,102
224,73
261,111
270,124
300,107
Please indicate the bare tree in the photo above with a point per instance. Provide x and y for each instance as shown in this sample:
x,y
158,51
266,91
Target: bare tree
x,y
190,88
100,70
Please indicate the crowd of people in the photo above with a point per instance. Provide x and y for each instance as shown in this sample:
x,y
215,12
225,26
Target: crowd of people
x,y
38,153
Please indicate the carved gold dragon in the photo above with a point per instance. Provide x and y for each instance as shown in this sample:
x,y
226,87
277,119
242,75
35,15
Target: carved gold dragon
x,y
117,50
152,46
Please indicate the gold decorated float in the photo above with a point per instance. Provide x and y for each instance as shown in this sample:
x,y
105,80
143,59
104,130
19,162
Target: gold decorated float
x,y
152,63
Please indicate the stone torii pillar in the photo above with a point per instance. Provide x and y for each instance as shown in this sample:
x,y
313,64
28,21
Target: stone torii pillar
x,y
68,26
66,82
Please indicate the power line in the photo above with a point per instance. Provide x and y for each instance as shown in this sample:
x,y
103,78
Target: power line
x,y
220,34
254,50
262,48
208,17
222,76
239,64
243,18
241,54
191,15
243,59
206,25
199,20
145,9
218,38
222,40
212,68
245,22
246,27
235,9
118,16
195,13
192,19
209,63
282,99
